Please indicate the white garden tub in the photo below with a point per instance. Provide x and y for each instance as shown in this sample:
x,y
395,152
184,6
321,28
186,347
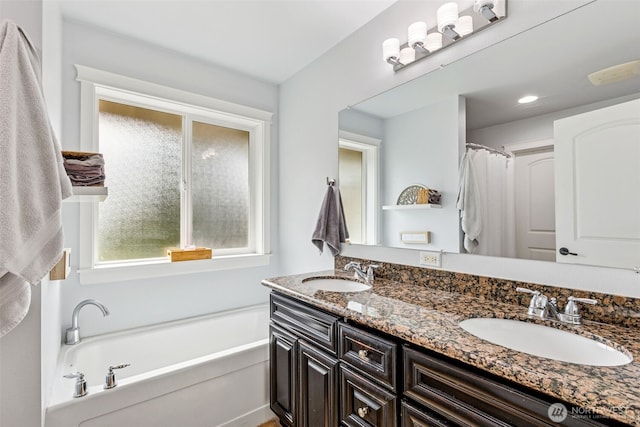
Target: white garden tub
x,y
206,371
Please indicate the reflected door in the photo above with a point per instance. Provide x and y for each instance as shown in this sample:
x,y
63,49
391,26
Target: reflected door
x,y
598,187
535,209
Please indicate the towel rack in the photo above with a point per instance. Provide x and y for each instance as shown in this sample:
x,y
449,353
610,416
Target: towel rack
x,y
331,181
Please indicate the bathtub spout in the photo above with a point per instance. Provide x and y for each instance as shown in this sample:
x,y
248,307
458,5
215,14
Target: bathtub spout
x,y
73,333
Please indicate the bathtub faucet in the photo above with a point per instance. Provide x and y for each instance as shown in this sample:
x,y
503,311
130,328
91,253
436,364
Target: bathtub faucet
x,y
73,333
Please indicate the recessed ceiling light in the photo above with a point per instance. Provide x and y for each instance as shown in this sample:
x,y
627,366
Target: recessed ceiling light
x,y
527,99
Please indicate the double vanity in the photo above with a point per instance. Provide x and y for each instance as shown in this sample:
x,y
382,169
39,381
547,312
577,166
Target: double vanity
x,y
417,353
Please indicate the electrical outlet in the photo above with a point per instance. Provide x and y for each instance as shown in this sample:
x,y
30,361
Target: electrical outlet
x,y
432,259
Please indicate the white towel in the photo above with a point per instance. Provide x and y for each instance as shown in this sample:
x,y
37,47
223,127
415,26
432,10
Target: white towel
x,y
469,204
331,227
32,178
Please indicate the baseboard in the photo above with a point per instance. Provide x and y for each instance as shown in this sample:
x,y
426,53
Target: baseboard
x,y
251,419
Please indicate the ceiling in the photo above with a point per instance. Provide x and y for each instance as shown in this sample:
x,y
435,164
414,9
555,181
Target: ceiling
x,y
267,39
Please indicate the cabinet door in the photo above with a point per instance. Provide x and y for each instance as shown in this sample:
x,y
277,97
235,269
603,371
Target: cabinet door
x,y
318,379
282,351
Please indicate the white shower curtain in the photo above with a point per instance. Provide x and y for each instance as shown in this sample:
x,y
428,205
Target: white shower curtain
x,y
492,177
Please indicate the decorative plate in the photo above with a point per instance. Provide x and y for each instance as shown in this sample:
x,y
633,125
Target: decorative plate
x,y
409,195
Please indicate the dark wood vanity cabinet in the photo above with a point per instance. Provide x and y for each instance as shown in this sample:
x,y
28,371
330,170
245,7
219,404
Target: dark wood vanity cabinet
x,y
303,364
330,373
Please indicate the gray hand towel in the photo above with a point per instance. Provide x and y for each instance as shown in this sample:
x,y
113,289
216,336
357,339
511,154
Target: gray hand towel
x,y
331,227
32,178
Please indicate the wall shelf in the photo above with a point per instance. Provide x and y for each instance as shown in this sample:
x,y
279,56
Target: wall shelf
x,y
88,194
410,207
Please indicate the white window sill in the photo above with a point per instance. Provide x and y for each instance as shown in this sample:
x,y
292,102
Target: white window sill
x,y
108,274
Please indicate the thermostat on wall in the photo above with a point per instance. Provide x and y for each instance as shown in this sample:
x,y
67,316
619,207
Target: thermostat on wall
x,y
415,236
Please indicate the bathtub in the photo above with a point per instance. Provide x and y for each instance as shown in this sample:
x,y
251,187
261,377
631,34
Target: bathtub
x,y
205,371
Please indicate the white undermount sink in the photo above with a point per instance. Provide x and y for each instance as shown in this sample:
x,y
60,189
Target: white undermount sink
x,y
543,341
335,284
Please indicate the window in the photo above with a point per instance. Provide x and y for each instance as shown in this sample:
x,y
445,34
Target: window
x,y
182,170
358,177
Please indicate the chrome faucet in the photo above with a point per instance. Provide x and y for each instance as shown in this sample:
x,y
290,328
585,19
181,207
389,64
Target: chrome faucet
x,y
359,272
545,308
73,333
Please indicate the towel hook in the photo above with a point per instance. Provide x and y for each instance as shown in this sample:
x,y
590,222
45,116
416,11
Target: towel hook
x,y
331,181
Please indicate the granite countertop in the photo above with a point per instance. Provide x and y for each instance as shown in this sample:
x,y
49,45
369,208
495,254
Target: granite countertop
x,y
429,318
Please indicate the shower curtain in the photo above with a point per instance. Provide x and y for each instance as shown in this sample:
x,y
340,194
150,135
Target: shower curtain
x,y
487,204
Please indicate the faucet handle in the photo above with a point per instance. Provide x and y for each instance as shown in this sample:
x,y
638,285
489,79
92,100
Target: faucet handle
x,y
538,303
572,308
370,272
371,267
352,264
81,384
571,313
110,379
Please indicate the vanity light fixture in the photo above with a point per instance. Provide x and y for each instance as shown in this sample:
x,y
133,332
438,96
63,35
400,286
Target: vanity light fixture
x,y
527,99
485,7
422,43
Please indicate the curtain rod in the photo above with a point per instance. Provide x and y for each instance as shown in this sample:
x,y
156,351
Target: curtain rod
x,y
490,149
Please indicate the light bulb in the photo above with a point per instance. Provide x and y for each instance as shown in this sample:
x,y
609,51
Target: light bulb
x,y
447,16
433,42
390,50
417,33
407,55
464,25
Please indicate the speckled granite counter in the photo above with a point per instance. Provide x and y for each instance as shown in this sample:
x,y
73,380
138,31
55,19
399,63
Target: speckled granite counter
x,y
429,318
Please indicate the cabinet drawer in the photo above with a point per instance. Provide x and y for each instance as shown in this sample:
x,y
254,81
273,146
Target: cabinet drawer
x,y
316,325
411,416
369,353
365,403
470,398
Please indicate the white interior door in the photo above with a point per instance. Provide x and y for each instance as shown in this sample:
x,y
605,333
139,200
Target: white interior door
x,y
535,207
598,186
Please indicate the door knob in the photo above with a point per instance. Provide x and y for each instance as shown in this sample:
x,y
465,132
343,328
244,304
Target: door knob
x,y
565,251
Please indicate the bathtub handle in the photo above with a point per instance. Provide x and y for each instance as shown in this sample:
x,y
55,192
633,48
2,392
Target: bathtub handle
x,y
110,379
81,384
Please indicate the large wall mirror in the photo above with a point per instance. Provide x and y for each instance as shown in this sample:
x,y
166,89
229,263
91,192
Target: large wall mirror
x,y
417,134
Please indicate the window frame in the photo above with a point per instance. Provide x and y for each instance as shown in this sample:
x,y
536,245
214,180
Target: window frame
x,y
370,149
97,84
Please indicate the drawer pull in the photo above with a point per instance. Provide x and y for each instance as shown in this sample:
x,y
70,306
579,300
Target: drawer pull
x,y
362,412
363,354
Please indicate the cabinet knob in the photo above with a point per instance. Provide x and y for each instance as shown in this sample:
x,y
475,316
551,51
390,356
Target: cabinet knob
x,y
362,354
362,412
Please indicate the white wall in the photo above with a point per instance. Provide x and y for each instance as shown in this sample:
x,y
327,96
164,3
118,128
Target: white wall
x,y
354,71
141,302
423,147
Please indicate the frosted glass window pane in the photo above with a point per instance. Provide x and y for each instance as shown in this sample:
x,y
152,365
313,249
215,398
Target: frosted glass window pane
x,y
142,149
220,186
